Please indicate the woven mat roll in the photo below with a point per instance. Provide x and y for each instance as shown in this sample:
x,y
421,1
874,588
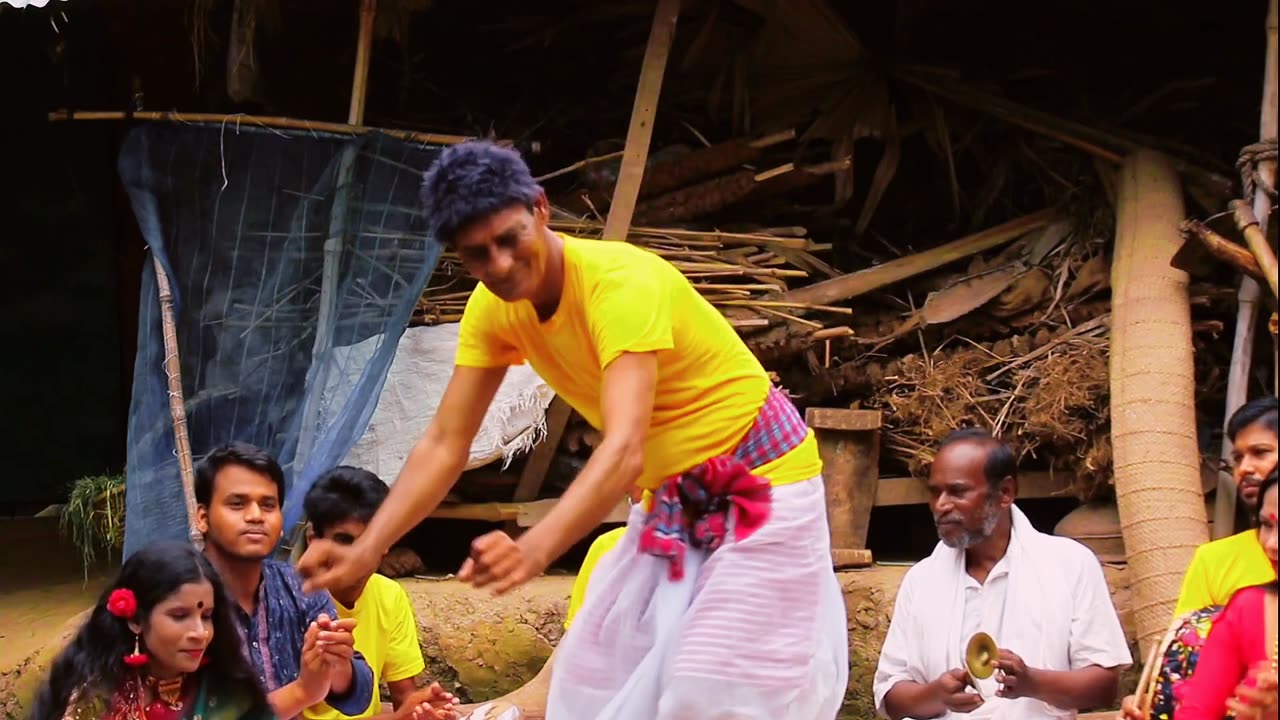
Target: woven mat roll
x,y
1153,423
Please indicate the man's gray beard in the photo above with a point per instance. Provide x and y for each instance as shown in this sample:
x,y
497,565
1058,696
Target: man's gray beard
x,y
969,538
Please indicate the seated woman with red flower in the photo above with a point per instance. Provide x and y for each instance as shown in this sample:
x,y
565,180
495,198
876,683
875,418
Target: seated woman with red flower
x,y
161,644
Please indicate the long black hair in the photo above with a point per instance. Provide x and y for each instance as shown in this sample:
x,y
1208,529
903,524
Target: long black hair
x,y
93,662
1267,486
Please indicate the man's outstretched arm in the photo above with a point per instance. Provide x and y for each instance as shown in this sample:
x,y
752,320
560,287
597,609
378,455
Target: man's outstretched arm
x,y
438,458
433,466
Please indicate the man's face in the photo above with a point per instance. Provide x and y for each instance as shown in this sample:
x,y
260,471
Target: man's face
x,y
1253,457
346,533
507,251
243,517
965,508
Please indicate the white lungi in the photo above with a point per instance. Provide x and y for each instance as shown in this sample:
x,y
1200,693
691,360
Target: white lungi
x,y
757,630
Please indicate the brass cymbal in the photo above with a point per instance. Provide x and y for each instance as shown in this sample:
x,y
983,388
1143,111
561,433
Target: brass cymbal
x,y
980,656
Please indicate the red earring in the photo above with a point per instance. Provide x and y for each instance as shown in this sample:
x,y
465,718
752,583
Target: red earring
x,y
137,658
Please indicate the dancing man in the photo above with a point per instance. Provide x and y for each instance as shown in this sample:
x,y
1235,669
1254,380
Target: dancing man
x,y
720,600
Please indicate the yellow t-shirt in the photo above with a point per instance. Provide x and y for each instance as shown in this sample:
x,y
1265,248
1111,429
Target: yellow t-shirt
x,y
620,298
599,547
386,635
1222,567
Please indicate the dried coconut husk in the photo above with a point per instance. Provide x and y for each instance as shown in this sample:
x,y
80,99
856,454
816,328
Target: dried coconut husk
x,y
1053,407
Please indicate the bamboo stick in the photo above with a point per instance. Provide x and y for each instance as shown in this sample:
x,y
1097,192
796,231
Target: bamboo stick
x,y
833,332
790,318
641,235
1254,235
1238,257
793,305
177,405
265,122
707,269
579,165
1224,509
865,281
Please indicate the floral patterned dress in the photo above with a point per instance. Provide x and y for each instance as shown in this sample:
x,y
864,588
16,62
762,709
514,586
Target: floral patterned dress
x,y
196,702
1179,660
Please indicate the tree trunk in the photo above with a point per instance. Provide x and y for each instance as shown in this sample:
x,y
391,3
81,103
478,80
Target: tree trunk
x,y
1153,419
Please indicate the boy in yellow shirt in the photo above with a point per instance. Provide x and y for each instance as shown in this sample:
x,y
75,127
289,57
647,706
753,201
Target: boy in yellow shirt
x,y
1222,567
338,508
720,595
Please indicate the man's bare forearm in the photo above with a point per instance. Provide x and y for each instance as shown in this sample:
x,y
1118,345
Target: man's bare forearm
x,y
909,699
610,472
431,469
1084,689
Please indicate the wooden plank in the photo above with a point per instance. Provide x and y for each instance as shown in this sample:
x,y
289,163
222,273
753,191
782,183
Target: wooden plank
x,y
842,288
913,491
539,461
636,152
842,419
533,513
521,514
535,467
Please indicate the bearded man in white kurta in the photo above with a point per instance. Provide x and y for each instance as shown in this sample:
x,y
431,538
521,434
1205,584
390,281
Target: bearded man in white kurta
x,y
1042,598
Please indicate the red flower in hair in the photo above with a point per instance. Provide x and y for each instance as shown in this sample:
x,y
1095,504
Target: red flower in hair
x,y
122,603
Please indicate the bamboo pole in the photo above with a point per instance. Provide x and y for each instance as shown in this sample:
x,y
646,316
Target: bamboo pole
x,y
1254,234
1238,257
626,191
177,405
334,244
1157,459
263,121
1224,508
364,46
636,153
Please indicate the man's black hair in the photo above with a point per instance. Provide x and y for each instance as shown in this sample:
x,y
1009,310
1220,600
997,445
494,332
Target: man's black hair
x,y
1265,410
341,494
472,180
238,454
1000,463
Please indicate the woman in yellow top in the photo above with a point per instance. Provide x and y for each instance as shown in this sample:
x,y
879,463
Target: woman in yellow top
x,y
720,599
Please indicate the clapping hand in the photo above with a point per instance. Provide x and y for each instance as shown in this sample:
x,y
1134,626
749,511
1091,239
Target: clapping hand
x,y
429,703
1255,698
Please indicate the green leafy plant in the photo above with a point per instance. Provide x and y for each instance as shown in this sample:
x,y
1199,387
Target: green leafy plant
x,y
94,517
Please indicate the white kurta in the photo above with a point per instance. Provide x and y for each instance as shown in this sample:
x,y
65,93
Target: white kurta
x,y
1046,600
